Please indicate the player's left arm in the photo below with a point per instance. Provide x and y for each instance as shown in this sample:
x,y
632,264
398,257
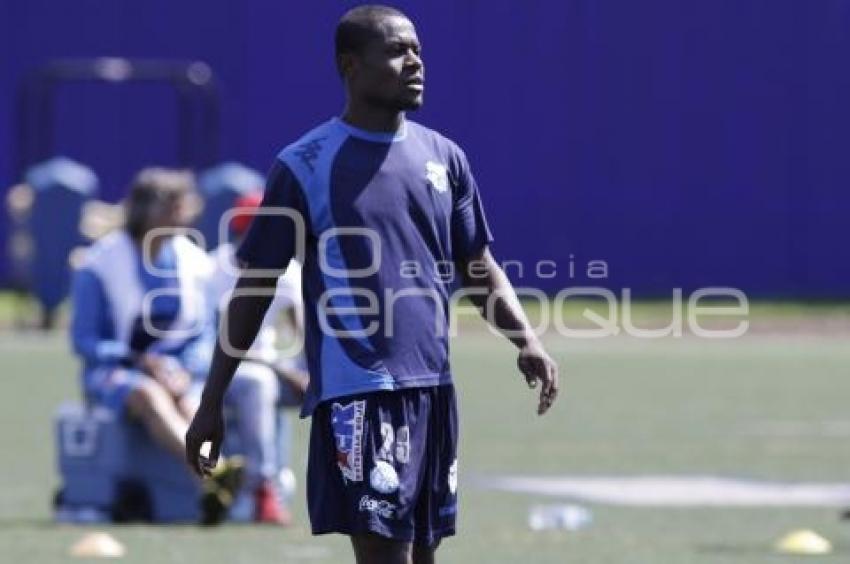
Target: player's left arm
x,y
497,301
491,291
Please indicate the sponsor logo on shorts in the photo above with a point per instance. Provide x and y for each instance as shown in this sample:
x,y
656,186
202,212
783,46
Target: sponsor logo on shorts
x,y
383,477
453,477
347,424
380,507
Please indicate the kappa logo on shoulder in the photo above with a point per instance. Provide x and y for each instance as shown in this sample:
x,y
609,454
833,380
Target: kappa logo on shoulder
x,y
347,423
437,175
309,151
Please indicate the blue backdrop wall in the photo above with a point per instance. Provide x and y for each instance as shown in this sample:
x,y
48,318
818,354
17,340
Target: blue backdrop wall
x,y
684,143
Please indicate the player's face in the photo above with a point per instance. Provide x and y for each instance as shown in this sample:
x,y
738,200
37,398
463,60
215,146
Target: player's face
x,y
173,213
391,73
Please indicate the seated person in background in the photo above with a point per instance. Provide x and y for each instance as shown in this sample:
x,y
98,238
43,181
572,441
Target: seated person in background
x,y
140,324
265,379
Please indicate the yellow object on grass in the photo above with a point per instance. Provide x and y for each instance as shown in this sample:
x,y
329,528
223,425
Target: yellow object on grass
x,y
98,545
803,542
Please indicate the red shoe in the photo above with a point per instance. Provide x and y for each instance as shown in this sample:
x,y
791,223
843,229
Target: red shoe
x,y
268,509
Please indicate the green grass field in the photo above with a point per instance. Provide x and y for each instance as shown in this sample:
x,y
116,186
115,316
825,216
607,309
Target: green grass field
x,y
628,408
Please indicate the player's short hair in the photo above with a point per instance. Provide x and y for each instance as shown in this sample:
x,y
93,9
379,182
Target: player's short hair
x,y
360,25
152,188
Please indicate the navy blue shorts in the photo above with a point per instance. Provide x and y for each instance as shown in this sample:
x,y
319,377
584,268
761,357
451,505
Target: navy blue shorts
x,y
385,463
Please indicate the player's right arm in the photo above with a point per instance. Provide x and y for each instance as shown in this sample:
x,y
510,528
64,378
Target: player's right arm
x,y
237,331
267,249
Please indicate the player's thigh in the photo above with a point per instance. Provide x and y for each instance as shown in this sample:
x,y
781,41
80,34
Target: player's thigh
x,y
375,549
126,391
252,375
436,509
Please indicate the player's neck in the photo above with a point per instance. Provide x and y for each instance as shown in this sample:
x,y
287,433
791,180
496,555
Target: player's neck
x,y
372,119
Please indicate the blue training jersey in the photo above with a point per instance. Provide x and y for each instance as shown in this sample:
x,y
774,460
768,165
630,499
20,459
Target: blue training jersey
x,y
386,217
94,336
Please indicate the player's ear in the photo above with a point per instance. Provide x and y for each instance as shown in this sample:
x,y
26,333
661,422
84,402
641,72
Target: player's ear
x,y
346,64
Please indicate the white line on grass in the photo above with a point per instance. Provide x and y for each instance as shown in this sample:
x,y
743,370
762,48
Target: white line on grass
x,y
676,491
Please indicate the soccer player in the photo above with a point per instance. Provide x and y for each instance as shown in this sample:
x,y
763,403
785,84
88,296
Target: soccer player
x,y
386,204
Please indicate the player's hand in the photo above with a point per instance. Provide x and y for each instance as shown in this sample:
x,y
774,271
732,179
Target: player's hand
x,y
207,425
176,380
296,379
179,383
168,372
536,365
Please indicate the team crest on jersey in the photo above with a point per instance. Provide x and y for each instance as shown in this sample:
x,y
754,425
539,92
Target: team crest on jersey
x,y
437,175
347,424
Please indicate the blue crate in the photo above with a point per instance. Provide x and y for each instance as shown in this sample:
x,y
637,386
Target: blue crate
x,y
97,452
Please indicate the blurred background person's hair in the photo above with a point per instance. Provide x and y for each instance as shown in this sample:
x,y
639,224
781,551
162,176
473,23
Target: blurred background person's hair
x,y
160,197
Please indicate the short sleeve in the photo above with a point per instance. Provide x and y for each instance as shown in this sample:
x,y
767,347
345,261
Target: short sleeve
x,y
273,236
470,232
